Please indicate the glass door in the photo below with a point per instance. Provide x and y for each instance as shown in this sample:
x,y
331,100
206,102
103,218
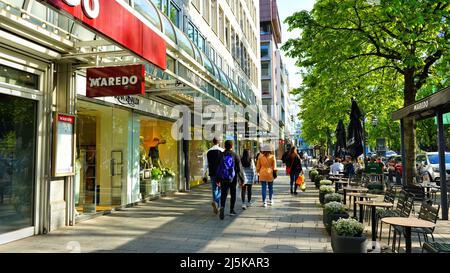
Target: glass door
x,y
17,161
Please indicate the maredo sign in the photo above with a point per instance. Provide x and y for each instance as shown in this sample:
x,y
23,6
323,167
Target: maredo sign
x,y
115,81
115,22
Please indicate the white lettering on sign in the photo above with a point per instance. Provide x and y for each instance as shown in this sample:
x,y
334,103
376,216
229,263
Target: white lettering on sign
x,y
91,8
421,105
113,81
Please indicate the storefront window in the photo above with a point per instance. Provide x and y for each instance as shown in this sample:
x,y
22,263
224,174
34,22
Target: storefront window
x,y
197,151
103,166
158,157
17,155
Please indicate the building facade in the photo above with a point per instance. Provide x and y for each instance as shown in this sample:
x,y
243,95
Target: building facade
x,y
273,73
122,147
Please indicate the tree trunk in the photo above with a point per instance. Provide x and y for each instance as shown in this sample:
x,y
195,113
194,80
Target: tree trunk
x,y
409,162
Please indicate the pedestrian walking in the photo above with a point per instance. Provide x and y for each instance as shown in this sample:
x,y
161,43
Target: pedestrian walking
x,y
250,174
265,167
229,173
296,169
213,158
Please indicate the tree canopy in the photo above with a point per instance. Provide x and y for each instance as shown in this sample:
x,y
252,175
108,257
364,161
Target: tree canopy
x,y
381,54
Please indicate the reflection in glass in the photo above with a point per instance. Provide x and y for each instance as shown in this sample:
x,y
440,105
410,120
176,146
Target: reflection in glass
x,y
17,154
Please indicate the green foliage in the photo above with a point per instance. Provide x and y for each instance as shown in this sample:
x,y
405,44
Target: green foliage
x,y
326,189
348,227
333,197
385,55
334,208
156,174
326,182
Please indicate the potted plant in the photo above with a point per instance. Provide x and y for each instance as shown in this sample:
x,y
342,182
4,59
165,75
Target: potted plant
x,y
375,188
168,177
312,174
333,197
317,180
347,236
156,178
324,189
333,211
326,182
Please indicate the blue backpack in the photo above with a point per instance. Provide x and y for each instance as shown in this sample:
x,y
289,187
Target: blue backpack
x,y
225,171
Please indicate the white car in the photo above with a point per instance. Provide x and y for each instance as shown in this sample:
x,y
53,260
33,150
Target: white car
x,y
428,163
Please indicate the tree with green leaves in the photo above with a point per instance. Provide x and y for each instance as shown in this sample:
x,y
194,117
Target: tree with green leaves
x,y
354,40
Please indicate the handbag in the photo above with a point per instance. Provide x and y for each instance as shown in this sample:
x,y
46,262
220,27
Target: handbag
x,y
303,185
275,174
300,180
288,169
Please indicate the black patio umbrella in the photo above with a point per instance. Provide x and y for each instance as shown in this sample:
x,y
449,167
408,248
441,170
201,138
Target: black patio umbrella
x,y
341,142
355,132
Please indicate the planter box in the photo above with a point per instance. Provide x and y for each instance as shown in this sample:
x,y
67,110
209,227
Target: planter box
x,y
329,218
343,244
322,196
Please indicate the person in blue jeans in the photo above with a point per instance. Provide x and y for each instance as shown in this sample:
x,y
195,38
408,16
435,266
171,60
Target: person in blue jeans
x,y
213,157
265,167
296,169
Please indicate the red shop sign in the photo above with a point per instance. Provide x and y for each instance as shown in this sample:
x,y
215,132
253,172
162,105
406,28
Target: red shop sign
x,y
115,81
65,118
114,21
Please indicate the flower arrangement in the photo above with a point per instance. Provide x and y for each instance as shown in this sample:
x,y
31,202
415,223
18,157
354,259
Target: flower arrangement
x,y
333,197
334,208
348,227
326,182
326,189
168,172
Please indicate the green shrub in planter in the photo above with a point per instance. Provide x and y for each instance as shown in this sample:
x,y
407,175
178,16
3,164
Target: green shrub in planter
x,y
331,212
324,189
333,197
326,182
317,180
347,237
375,188
312,174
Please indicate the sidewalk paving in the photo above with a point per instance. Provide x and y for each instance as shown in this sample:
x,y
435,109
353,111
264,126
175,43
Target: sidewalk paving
x,y
185,223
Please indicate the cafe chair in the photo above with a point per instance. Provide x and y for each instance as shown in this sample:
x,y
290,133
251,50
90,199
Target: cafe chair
x,y
435,247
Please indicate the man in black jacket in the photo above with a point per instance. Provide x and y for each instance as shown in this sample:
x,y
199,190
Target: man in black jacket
x,y
231,185
213,157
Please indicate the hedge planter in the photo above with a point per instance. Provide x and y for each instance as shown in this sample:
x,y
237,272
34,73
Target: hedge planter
x,y
344,244
324,190
317,180
329,218
313,174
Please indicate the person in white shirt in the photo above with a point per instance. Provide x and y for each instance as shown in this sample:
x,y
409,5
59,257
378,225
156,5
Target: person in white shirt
x,y
336,167
212,161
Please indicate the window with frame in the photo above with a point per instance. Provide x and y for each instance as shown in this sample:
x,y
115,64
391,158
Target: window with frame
x,y
265,66
221,25
196,4
227,34
206,10
264,51
214,15
265,87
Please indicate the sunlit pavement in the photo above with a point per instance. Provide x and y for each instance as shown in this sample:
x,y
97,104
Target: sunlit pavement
x,y
185,223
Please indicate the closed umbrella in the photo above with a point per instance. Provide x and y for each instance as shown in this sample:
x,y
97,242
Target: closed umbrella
x,y
341,143
355,132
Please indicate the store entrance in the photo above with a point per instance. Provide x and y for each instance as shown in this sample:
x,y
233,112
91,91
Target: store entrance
x,y
102,157
17,161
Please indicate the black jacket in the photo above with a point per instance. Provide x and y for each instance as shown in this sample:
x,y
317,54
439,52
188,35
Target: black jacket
x,y
296,167
213,157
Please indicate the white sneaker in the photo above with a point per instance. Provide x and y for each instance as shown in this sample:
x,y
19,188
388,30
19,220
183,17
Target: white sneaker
x,y
264,204
244,207
271,202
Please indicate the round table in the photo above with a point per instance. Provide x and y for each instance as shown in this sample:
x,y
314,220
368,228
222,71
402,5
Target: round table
x,y
355,189
336,183
373,205
408,223
361,196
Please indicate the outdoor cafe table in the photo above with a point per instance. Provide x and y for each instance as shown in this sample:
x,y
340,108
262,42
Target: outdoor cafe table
x,y
428,187
337,181
408,223
353,189
374,206
361,196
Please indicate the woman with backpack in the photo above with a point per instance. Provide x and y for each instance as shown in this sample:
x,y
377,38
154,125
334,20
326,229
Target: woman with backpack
x,y
249,170
266,169
295,169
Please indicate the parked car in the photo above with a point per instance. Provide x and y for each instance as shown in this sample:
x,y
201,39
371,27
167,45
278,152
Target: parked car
x,y
428,163
390,154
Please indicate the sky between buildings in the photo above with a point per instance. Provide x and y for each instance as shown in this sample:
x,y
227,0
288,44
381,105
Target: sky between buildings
x,y
286,8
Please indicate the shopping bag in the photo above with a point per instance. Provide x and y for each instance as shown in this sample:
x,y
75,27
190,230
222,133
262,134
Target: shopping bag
x,y
300,180
303,185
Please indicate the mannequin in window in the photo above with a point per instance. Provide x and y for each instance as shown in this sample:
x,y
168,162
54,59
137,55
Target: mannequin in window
x,y
143,159
154,152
